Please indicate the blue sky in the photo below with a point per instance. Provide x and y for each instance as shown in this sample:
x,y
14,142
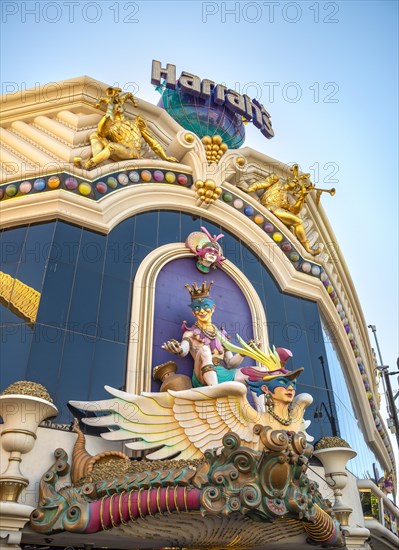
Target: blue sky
x,y
334,110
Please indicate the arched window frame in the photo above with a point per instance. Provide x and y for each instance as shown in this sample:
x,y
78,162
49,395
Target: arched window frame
x,y
139,361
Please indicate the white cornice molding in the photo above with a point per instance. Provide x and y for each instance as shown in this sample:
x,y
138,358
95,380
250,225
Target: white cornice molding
x,y
339,273
40,125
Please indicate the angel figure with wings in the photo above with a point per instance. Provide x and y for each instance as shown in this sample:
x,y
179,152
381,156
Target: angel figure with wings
x,y
184,424
216,360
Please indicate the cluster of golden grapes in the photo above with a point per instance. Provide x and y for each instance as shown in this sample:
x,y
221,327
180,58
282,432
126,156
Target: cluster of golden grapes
x,y
214,148
207,191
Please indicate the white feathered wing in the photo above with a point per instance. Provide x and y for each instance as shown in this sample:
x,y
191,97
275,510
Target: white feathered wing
x,y
186,422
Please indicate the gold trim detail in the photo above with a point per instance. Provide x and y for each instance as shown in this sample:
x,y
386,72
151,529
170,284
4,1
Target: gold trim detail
x,y
120,508
148,503
323,527
110,511
101,514
22,299
139,504
10,489
166,500
185,498
129,506
175,499
157,500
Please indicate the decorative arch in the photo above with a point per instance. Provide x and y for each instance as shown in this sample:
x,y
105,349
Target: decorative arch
x,y
139,362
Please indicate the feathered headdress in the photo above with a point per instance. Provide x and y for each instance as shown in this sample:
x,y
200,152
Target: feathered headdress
x,y
200,242
273,362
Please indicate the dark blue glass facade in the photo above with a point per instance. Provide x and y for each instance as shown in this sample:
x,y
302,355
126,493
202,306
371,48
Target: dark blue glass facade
x,y
80,340
362,464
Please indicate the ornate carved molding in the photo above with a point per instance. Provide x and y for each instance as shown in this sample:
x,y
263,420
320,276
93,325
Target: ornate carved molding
x,y
238,484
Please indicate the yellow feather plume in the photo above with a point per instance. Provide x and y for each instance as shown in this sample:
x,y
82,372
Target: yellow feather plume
x,y
270,361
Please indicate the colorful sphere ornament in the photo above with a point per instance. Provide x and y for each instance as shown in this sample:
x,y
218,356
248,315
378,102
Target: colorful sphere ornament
x,y
286,246
170,177
39,184
204,118
71,184
53,182
182,179
146,175
123,179
101,187
84,189
316,270
11,190
25,187
111,182
294,257
134,177
277,237
158,175
227,197
238,204
268,227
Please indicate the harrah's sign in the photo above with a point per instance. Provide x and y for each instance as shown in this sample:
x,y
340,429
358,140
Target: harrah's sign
x,y
191,84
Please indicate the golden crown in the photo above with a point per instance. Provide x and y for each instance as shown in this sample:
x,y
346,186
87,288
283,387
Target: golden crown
x,y
199,291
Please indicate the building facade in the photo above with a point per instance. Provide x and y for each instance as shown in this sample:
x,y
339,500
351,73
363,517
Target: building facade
x,y
94,263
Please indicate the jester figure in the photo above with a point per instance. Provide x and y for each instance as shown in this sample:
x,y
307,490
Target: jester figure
x,y
214,360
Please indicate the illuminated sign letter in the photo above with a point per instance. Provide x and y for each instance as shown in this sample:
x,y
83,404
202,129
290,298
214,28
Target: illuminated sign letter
x,y
235,102
248,107
266,124
218,94
206,88
169,74
257,114
190,84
